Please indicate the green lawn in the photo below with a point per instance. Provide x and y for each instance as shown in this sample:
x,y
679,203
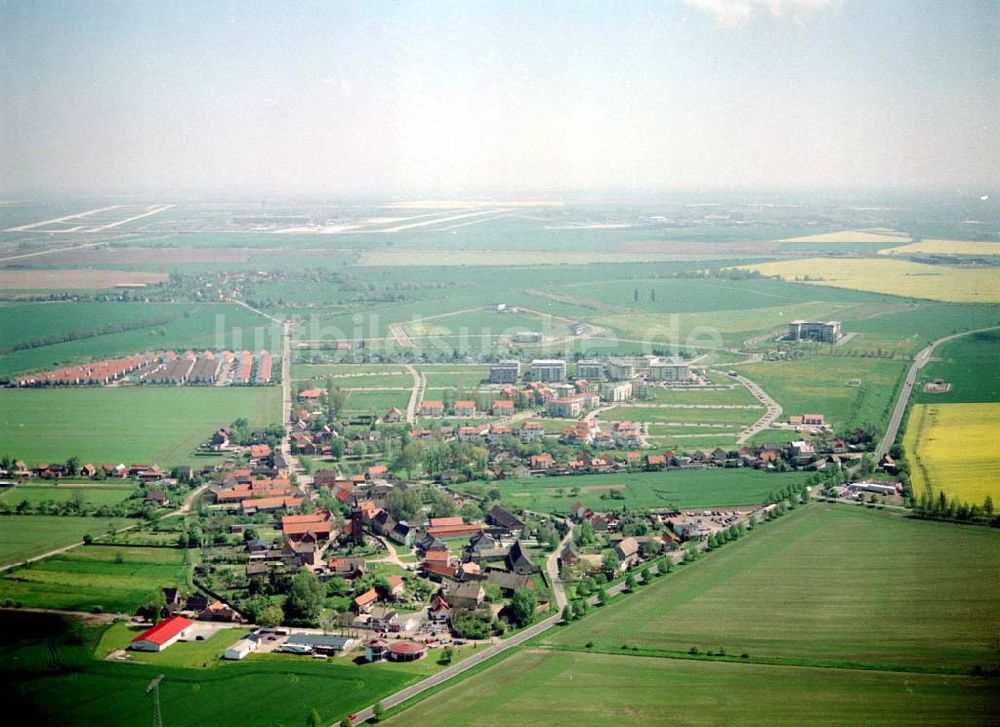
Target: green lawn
x,y
189,325
818,385
93,494
193,654
376,402
573,688
730,395
93,576
665,413
25,536
679,488
163,425
969,364
830,584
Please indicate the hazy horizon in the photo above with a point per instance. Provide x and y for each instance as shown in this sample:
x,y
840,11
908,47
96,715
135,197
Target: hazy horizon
x,y
413,99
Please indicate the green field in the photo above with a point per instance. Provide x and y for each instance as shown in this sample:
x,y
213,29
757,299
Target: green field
x,y
830,585
117,578
25,536
818,385
665,413
969,364
376,402
190,325
90,493
574,688
669,395
258,692
678,488
163,425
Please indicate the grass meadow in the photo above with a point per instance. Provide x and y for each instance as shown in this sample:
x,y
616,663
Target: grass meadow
x,y
192,325
677,488
818,385
571,687
128,424
95,494
954,448
828,585
116,578
969,365
25,536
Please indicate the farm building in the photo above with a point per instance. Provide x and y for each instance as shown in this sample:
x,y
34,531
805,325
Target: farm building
x,y
163,634
240,649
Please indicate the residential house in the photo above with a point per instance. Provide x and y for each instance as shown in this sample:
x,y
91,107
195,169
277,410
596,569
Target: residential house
x,y
464,408
532,432
627,551
518,561
365,602
467,596
502,408
439,611
429,408
542,461
500,518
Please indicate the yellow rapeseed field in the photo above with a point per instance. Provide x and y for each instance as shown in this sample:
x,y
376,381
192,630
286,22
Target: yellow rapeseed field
x,y
894,277
946,247
871,235
955,448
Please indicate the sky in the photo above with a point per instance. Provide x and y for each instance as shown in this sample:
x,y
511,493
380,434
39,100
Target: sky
x,y
505,98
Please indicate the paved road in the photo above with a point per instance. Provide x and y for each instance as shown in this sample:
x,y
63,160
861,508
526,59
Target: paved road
x,y
772,414
416,393
442,676
904,395
551,566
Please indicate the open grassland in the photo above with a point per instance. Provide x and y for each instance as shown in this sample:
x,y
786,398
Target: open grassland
x,y
117,578
715,329
463,258
895,277
152,326
970,365
667,413
674,488
818,385
366,381
25,536
906,331
945,247
322,371
734,394
376,402
88,493
576,688
263,692
954,448
873,235
129,424
829,585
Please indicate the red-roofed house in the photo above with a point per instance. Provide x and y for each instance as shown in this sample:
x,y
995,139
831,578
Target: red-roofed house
x,y
439,611
365,602
259,451
532,432
431,408
542,461
464,408
311,394
503,408
163,634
